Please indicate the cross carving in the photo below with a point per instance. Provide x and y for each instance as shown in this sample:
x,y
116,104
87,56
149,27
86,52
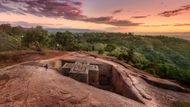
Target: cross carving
x,y
82,71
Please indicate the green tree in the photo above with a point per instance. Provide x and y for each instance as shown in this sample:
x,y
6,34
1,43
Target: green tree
x,y
66,40
6,28
100,47
85,46
110,48
8,43
130,55
17,31
35,38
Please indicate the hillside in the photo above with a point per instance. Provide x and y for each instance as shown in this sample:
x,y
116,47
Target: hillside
x,y
165,57
162,56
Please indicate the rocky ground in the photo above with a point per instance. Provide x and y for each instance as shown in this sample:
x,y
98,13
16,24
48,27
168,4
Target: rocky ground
x,y
27,84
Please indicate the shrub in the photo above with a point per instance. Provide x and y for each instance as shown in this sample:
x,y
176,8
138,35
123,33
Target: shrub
x,y
110,48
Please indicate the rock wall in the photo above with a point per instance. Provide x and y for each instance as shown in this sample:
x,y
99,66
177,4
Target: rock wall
x,y
109,79
123,87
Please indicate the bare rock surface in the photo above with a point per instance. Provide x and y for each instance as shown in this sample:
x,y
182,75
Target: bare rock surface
x,y
29,85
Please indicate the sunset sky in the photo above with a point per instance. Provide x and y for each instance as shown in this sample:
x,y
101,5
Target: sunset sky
x,y
105,15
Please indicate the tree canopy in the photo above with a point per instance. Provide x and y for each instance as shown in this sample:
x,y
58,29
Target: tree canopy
x,y
164,57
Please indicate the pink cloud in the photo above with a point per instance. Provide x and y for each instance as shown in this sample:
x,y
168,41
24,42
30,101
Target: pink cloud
x,y
178,11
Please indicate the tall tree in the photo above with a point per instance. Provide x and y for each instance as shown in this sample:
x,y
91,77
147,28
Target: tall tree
x,y
65,40
35,38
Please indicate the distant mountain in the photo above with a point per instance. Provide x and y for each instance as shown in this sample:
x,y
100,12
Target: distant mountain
x,y
184,37
181,35
53,30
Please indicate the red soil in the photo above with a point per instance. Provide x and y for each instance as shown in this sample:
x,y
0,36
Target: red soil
x,y
10,58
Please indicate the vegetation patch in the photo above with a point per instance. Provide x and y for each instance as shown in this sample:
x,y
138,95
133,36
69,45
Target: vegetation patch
x,y
164,57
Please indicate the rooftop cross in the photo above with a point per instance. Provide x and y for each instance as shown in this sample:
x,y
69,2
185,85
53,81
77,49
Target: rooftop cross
x,y
82,71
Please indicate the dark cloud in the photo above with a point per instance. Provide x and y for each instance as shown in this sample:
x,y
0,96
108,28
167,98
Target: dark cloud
x,y
175,12
99,19
157,25
113,28
123,23
178,24
77,3
68,9
183,24
140,17
117,11
111,21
